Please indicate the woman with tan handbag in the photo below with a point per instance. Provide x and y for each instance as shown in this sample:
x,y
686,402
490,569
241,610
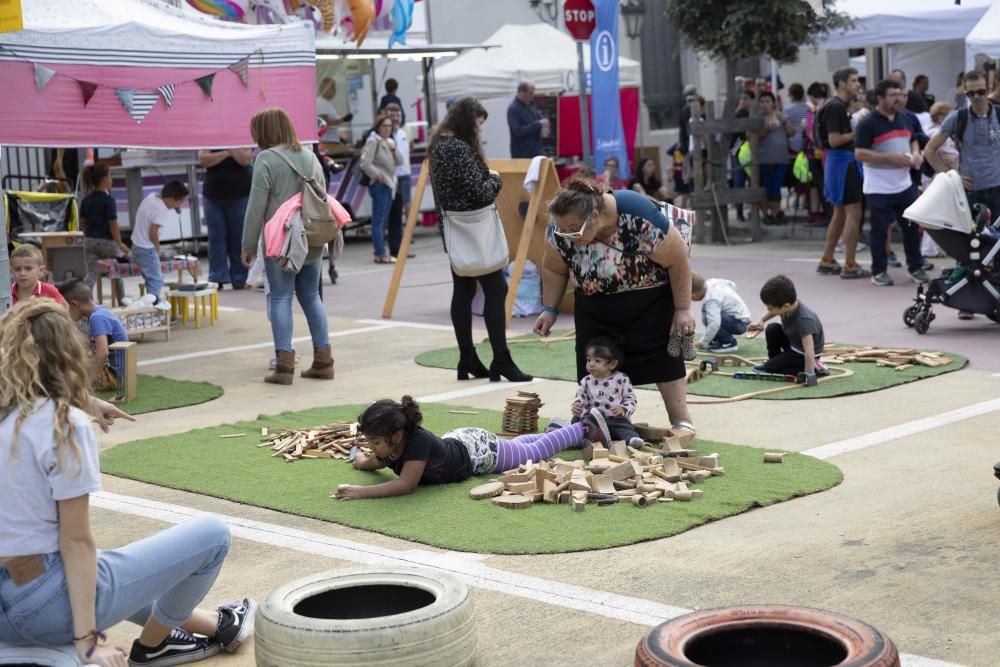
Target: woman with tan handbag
x,y
465,193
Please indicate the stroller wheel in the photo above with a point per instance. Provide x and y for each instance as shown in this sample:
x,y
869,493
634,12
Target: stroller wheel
x,y
922,322
994,316
909,315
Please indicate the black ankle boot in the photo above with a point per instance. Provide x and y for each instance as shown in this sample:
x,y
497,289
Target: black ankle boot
x,y
469,364
503,365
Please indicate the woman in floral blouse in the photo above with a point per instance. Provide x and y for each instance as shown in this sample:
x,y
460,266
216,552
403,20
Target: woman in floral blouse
x,y
633,283
463,182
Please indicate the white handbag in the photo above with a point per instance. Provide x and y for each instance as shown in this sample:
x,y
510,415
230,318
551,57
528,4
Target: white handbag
x,y
476,241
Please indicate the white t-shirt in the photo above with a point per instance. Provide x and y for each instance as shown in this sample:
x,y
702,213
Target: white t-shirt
x,y
152,211
31,482
324,107
403,144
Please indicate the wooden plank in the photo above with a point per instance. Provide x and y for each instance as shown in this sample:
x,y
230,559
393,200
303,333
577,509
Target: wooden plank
x,y
712,126
404,246
128,391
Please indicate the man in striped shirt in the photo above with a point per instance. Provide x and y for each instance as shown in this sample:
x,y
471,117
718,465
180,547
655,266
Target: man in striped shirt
x,y
885,144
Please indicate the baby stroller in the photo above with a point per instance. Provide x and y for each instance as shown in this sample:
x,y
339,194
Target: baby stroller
x,y
972,285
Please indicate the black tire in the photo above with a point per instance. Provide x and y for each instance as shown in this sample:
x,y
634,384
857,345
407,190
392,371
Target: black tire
x,y
909,314
994,316
407,617
922,322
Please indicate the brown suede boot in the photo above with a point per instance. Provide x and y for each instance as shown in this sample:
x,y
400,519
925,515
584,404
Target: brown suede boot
x,y
322,367
284,368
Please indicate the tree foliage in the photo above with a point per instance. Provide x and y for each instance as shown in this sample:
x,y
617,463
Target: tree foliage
x,y
736,29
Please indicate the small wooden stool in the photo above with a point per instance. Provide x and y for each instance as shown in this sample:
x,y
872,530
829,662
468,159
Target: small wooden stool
x,y
179,303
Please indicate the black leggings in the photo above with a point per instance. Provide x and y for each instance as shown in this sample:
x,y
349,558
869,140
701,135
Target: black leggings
x,y
495,293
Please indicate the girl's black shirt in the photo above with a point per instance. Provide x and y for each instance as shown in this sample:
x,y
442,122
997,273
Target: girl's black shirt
x,y
447,460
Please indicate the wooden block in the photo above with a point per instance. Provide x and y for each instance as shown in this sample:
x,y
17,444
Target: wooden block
x,y
614,458
622,471
512,502
640,501
618,448
903,367
128,387
588,452
537,497
523,488
661,499
774,457
599,452
650,433
627,493
549,493
489,490
542,474
517,477
710,461
317,454
621,485
564,497
653,495
578,501
604,484
696,493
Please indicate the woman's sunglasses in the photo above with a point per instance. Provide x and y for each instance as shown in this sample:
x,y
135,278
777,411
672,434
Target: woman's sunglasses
x,y
975,93
572,235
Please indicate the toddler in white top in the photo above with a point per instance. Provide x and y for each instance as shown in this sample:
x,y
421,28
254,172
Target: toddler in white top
x,y
609,390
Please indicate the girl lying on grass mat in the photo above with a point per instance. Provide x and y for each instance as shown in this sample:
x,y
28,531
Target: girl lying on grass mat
x,y
420,457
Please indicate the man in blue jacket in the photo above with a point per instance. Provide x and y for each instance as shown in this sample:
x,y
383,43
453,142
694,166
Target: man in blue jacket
x,y
526,123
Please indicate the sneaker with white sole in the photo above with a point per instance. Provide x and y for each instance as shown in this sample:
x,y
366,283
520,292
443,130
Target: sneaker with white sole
x,y
854,272
724,349
882,280
179,648
919,276
235,623
831,268
636,442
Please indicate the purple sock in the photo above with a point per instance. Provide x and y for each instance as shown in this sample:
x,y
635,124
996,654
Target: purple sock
x,y
536,446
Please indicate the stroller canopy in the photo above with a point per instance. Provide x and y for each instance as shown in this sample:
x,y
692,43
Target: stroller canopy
x,y
943,205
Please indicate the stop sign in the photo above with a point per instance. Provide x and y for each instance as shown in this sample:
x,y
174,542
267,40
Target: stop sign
x,y
580,18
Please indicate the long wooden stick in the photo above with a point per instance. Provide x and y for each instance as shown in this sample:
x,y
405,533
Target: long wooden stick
x,y
527,233
843,373
404,246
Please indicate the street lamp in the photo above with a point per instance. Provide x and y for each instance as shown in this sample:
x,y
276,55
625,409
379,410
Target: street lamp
x,y
633,11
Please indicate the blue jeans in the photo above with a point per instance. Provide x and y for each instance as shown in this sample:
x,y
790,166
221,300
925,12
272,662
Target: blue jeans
x,y
279,304
729,328
885,209
225,236
164,576
381,204
149,264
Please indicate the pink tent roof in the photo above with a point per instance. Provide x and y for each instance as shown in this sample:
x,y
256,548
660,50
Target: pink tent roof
x,y
148,55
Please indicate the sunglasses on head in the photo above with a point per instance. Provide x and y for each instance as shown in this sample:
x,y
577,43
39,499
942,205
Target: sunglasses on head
x,y
975,93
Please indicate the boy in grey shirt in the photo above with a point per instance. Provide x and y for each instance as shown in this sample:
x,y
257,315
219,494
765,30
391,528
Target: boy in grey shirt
x,y
795,345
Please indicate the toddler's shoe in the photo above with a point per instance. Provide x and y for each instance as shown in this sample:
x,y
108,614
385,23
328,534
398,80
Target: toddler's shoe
x,y
688,349
759,368
820,368
555,425
636,442
674,344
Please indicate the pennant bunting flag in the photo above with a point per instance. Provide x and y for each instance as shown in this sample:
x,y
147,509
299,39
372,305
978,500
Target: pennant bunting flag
x,y
42,76
167,93
136,103
205,83
87,89
241,69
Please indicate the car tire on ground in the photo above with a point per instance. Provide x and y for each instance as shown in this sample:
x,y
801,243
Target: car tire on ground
x,y
765,634
391,617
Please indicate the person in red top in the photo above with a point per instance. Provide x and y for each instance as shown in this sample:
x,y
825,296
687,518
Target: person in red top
x,y
27,264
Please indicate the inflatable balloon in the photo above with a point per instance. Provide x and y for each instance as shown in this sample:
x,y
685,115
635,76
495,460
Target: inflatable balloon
x,y
402,17
271,11
326,10
362,16
383,8
226,9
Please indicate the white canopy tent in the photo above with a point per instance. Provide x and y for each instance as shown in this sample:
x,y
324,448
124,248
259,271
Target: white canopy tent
x,y
922,36
984,38
539,53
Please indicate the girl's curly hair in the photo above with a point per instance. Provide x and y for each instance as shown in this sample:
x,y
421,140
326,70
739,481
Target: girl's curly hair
x,y
44,357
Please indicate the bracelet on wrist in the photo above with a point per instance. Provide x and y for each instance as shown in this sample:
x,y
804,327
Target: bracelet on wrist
x,y
95,637
550,309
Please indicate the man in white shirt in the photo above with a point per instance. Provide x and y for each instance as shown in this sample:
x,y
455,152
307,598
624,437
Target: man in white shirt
x,y
328,112
155,211
401,203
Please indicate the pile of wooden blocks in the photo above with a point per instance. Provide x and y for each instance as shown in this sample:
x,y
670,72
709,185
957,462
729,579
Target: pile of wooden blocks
x,y
898,359
333,441
609,476
520,416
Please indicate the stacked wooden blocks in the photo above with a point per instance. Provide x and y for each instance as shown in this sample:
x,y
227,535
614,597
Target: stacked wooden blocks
x,y
520,415
609,476
899,359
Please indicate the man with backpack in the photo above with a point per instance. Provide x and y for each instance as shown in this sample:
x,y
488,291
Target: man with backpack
x,y
975,130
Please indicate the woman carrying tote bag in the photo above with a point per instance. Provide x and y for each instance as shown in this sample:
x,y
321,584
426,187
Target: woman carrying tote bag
x,y
465,191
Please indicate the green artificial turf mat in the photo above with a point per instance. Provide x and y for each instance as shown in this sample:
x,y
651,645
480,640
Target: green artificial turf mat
x,y
154,392
444,515
557,361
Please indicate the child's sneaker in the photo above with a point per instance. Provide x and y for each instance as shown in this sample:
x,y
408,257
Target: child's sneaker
x,y
759,368
688,349
179,648
555,425
724,349
636,442
882,279
820,368
235,624
596,429
674,344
